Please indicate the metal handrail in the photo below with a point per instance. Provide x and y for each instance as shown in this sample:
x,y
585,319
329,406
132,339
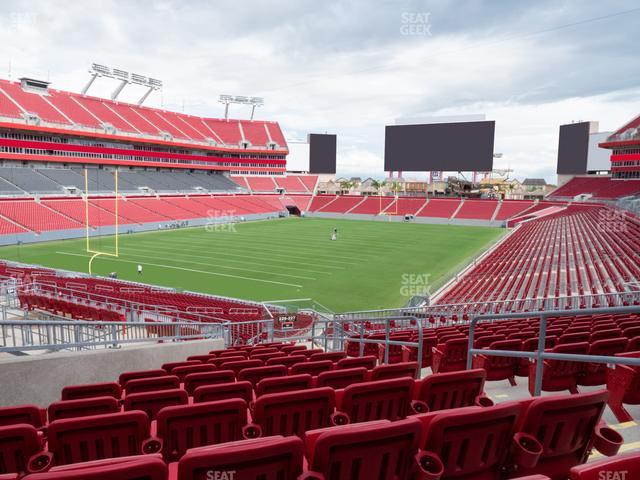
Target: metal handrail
x,y
539,354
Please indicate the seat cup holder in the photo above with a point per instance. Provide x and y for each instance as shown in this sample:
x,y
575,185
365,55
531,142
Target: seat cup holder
x,y
484,401
527,450
340,418
419,406
251,431
429,466
607,441
40,462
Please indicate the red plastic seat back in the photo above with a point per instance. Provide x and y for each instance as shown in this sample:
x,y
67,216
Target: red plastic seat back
x,y
195,380
75,440
168,367
140,467
223,391
182,372
29,414
380,400
286,361
152,402
337,379
455,350
312,368
107,389
397,370
564,425
364,451
283,384
255,374
125,377
271,458
442,391
83,407
17,444
293,413
471,442
236,366
333,356
151,384
368,362
503,362
210,423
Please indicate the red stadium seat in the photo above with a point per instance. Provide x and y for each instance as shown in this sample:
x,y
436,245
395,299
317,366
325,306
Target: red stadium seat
x,y
337,379
472,442
125,377
188,426
147,467
596,373
168,367
151,384
255,374
284,384
82,408
195,380
312,368
442,391
398,370
369,362
364,451
333,356
108,389
499,368
623,385
223,391
558,375
450,356
152,402
620,467
294,413
84,439
236,366
268,458
182,372
380,400
567,427
29,414
18,443
287,361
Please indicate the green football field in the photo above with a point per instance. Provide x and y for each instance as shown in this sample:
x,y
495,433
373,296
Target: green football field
x,y
371,265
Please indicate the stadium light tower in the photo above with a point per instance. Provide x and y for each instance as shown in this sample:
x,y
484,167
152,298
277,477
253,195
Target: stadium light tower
x,y
226,100
124,77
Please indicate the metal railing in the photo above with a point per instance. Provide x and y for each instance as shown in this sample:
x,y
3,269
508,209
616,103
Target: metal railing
x,y
539,355
55,335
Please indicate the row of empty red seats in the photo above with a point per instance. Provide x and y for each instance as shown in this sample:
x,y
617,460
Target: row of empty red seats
x,y
477,209
440,208
600,187
332,430
61,214
72,110
290,183
580,250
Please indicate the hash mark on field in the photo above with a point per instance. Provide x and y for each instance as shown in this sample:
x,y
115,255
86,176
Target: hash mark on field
x,y
115,259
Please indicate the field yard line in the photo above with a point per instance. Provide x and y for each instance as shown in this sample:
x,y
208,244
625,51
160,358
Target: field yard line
x,y
303,250
250,262
222,266
267,252
189,270
223,252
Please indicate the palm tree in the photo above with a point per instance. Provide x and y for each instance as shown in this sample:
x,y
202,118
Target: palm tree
x,y
346,186
378,185
396,187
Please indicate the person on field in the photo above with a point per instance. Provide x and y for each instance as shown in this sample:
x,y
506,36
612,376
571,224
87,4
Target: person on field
x,y
334,235
139,269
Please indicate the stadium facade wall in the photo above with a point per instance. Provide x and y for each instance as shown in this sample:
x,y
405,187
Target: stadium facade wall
x,y
399,218
39,379
30,237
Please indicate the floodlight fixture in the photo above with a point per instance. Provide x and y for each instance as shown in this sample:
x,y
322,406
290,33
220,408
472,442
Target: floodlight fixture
x,y
98,70
226,100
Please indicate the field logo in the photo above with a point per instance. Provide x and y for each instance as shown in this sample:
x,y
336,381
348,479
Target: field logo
x,y
221,221
415,24
613,475
221,475
415,285
611,221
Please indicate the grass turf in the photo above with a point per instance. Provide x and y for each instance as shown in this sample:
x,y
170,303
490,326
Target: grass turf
x,y
371,265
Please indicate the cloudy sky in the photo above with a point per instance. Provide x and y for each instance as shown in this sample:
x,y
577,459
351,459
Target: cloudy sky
x,y
352,67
